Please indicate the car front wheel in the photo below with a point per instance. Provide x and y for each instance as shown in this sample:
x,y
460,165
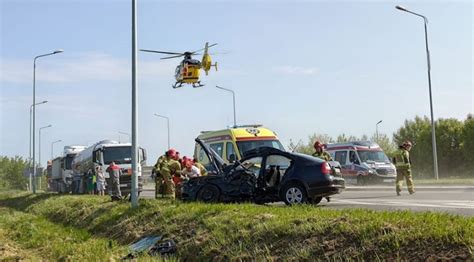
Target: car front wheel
x,y
294,194
209,193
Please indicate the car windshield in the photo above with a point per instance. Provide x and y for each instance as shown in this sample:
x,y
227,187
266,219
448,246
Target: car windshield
x,y
376,156
245,146
119,155
69,162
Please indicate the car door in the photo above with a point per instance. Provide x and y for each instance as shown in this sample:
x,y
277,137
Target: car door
x,y
274,169
347,169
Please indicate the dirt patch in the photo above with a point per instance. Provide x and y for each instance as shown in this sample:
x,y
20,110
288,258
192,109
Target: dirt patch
x,y
11,252
436,252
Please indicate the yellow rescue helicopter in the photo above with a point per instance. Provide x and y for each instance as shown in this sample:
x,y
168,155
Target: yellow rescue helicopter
x,y
187,72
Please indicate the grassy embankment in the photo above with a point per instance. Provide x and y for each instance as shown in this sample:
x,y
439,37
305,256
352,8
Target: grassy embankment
x,y
48,226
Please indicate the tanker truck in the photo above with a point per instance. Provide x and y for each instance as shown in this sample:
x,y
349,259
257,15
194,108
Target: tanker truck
x,y
60,174
101,154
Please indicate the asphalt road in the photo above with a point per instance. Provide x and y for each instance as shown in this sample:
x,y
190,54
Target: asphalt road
x,y
449,199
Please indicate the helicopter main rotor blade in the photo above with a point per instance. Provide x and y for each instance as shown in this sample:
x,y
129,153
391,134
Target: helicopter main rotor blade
x,y
169,57
160,52
209,46
220,53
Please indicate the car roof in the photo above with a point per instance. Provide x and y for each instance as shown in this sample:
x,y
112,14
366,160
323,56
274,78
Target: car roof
x,y
270,150
262,151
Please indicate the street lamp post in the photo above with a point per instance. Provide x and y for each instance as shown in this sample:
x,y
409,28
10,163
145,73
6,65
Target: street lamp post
x,y
168,124
52,148
377,131
233,100
34,110
123,133
39,154
428,60
29,158
135,159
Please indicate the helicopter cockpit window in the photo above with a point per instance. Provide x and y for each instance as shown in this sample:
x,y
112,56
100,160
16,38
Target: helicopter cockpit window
x,y
193,62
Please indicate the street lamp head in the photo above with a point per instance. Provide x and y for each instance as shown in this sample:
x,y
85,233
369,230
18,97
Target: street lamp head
x,y
58,51
399,7
379,122
162,116
44,102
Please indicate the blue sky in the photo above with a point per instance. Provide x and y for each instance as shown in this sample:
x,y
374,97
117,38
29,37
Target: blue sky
x,y
297,67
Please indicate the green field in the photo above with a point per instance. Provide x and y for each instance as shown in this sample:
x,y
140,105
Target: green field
x,y
52,227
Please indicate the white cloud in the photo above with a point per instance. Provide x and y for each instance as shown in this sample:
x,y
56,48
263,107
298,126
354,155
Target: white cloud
x,y
81,68
296,70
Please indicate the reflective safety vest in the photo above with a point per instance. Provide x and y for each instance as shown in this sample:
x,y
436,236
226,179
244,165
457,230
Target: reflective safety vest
x,y
323,155
402,159
169,167
157,166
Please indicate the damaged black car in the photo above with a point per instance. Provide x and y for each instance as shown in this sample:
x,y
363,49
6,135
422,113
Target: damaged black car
x,y
265,175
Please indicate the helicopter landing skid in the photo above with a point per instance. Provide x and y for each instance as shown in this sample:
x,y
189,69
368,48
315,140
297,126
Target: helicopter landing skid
x,y
176,85
198,85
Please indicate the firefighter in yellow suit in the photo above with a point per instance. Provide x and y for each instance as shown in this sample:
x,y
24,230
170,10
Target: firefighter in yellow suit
x,y
157,176
201,167
403,165
165,168
320,152
323,154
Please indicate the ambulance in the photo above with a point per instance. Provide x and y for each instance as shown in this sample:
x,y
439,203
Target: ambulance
x,y
363,162
232,143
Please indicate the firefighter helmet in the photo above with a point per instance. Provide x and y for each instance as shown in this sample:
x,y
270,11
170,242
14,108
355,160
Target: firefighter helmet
x,y
171,152
317,145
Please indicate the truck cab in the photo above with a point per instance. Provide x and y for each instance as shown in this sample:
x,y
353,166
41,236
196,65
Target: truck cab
x,y
121,153
363,162
60,178
101,154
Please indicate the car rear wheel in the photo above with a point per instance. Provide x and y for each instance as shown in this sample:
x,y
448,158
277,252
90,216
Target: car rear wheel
x,y
209,193
294,194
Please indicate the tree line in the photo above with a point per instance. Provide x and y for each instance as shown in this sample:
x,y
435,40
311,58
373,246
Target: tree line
x,y
454,138
455,146
11,173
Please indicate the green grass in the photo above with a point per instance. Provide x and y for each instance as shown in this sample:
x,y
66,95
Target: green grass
x,y
36,238
249,231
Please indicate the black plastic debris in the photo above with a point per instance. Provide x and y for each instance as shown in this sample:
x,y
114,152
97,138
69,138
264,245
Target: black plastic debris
x,y
115,198
153,245
165,247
